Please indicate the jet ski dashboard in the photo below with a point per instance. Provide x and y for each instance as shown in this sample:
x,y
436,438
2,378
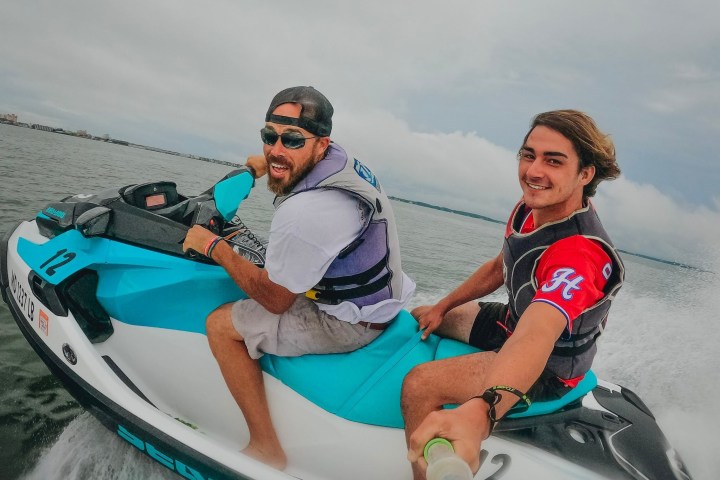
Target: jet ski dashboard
x,y
154,215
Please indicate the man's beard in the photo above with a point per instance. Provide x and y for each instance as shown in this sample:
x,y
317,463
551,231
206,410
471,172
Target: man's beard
x,y
281,187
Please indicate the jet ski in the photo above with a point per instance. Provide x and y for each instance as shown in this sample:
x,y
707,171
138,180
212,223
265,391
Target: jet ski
x,y
101,289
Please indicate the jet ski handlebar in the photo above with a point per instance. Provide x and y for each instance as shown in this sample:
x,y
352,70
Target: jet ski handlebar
x,y
218,214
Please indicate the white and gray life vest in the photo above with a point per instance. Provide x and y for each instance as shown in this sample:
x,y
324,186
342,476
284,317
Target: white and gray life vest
x,y
573,354
368,270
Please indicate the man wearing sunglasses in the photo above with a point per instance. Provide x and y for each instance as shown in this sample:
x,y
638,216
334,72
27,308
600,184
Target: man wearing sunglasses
x,y
332,280
561,272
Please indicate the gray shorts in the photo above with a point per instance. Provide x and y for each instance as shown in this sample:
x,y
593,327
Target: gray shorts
x,y
303,329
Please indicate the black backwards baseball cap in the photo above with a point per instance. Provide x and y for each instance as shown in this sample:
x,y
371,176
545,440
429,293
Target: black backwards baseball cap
x,y
315,115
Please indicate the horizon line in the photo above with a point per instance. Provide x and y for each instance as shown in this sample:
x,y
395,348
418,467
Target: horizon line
x,y
494,220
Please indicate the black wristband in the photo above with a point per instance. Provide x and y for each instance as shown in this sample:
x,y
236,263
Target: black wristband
x,y
514,391
492,398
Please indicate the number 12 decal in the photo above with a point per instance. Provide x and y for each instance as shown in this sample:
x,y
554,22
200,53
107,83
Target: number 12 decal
x,y
67,257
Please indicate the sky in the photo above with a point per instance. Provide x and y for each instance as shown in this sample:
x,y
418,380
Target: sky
x,y
435,97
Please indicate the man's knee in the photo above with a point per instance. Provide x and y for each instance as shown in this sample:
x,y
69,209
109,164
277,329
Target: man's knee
x,y
416,384
217,323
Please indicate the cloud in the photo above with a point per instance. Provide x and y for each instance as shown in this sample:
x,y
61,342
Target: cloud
x,y
647,221
694,72
436,95
466,169
698,94
468,172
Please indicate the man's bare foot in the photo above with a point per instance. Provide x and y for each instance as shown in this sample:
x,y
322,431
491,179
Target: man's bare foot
x,y
275,459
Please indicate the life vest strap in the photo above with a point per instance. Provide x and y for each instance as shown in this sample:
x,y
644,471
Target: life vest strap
x,y
356,279
334,297
572,351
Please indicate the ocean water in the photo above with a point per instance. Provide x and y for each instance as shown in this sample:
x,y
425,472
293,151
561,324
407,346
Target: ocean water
x,y
661,340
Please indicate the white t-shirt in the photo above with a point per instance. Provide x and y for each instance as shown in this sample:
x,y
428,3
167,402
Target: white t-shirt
x,y
306,234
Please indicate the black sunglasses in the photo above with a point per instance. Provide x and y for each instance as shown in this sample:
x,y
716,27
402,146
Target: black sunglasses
x,y
291,140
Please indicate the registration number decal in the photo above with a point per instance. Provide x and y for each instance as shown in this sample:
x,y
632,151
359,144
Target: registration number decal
x,y
23,299
43,322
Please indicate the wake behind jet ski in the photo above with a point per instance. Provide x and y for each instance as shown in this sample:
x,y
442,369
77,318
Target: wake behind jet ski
x,y
101,289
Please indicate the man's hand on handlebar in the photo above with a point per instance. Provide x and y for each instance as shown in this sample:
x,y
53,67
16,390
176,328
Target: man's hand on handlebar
x,y
197,239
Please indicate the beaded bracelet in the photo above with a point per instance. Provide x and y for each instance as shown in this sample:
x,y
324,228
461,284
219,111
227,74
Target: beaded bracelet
x,y
210,244
213,245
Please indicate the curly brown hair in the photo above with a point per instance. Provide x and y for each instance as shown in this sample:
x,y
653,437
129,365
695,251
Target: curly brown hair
x,y
593,147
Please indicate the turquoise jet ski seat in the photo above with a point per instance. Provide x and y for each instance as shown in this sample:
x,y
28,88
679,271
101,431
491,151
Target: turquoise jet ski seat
x,y
364,385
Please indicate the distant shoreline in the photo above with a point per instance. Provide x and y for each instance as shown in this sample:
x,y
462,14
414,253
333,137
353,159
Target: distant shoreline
x,y
107,139
493,220
445,209
403,200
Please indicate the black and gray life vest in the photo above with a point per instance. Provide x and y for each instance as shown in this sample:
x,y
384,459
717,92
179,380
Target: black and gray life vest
x,y
574,351
368,270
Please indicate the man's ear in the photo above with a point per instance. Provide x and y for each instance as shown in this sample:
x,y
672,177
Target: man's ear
x,y
323,144
587,174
